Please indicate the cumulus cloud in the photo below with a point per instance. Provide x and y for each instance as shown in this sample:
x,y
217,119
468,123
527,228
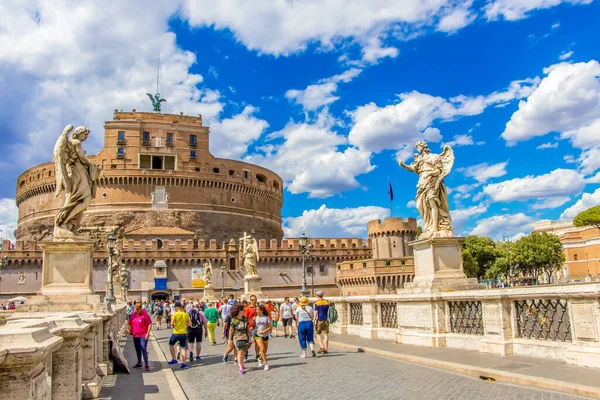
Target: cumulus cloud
x,y
567,100
484,171
314,159
333,222
461,216
231,137
321,94
463,140
560,182
586,201
512,10
395,126
547,146
565,55
551,202
8,219
497,225
457,19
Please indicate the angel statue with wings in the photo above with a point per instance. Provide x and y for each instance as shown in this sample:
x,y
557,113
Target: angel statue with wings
x,y
77,176
250,256
432,197
156,100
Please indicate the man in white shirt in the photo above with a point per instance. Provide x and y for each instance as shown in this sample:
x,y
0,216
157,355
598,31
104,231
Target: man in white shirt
x,y
286,315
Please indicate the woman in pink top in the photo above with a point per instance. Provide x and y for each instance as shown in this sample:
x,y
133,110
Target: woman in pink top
x,y
140,325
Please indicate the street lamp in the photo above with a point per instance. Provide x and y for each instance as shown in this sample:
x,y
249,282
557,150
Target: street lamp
x,y
222,280
312,270
111,243
506,239
303,240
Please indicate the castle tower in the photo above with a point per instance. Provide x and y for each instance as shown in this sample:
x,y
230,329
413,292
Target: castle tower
x,y
390,238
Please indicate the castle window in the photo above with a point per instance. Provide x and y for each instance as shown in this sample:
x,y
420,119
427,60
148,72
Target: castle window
x,y
231,172
121,152
169,139
192,154
232,264
574,257
157,162
144,161
216,170
193,141
276,184
121,137
322,269
22,184
309,270
146,138
159,243
246,174
261,178
169,163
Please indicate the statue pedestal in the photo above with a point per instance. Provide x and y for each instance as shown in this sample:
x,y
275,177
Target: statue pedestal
x,y
252,287
209,294
439,267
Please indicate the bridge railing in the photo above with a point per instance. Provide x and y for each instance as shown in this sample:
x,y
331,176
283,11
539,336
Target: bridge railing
x,y
554,321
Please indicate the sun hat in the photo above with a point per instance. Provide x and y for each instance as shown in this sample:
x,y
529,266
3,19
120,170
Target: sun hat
x,y
195,304
304,301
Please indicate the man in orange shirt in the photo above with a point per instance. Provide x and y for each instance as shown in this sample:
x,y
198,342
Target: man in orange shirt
x,y
250,313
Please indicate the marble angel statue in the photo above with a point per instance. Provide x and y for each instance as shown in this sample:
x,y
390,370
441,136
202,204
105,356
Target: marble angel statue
x,y
77,176
432,197
251,256
207,273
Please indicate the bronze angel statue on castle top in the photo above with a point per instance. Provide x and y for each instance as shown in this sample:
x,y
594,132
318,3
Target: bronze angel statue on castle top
x,y
77,176
432,196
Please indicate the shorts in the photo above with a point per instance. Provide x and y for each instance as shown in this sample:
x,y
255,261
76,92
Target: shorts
x,y
181,338
287,322
194,335
274,324
322,327
240,346
265,338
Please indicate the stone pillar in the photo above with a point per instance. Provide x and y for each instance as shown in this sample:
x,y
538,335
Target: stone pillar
x,y
497,327
370,320
90,350
209,294
26,362
252,287
341,326
67,268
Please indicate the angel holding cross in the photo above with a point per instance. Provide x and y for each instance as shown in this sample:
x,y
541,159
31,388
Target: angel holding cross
x,y
250,255
432,196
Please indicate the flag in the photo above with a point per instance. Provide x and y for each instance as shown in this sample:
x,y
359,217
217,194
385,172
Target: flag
x,y
391,191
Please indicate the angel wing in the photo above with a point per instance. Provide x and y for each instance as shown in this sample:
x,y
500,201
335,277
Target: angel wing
x,y
60,155
255,249
161,100
151,97
447,157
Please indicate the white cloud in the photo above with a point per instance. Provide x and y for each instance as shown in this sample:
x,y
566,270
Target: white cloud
x,y
411,204
460,216
589,160
497,225
593,179
231,137
8,219
310,159
512,10
586,201
395,126
560,182
547,146
321,94
463,140
455,20
565,55
333,222
585,136
567,99
484,171
551,202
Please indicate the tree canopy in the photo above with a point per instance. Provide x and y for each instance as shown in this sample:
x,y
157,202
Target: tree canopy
x,y
483,251
589,217
539,253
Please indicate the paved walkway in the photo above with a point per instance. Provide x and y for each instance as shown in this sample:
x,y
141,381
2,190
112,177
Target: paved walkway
x,y
343,374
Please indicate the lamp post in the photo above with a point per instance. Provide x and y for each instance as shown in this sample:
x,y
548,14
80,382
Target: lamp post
x,y
303,240
312,271
222,280
506,239
111,243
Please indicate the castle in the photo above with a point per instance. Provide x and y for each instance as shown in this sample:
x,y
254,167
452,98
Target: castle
x,y
174,206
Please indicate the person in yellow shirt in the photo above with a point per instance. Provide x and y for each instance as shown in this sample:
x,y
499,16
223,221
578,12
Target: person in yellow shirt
x,y
180,321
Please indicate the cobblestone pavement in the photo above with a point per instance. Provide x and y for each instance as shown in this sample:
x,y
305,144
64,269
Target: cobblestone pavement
x,y
338,375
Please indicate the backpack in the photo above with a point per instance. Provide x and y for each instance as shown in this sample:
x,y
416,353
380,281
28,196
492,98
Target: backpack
x,y
159,310
332,315
194,317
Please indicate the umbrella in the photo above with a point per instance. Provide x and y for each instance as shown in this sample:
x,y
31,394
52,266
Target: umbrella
x,y
18,298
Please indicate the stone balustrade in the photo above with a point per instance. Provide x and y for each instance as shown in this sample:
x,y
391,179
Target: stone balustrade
x,y
59,355
559,322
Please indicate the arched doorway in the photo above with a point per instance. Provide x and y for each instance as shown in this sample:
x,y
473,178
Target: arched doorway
x,y
160,296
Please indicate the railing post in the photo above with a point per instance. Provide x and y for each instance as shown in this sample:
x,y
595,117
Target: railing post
x,y
370,320
584,317
90,378
498,327
341,327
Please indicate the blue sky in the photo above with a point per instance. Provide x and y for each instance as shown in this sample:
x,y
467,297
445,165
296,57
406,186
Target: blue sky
x,y
330,95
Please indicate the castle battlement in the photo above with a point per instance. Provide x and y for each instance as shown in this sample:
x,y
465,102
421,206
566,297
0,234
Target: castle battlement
x,y
392,227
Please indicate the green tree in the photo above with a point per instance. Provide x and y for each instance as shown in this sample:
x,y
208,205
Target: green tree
x,y
589,217
538,253
419,231
469,264
503,266
483,251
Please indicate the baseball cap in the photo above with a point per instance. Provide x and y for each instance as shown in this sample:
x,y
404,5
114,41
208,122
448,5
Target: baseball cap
x,y
178,304
320,293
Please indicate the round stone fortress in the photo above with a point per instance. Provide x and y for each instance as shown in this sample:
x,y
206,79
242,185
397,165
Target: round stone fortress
x,y
157,171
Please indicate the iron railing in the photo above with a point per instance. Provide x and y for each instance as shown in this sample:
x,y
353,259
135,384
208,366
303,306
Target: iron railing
x,y
356,314
543,319
389,315
466,317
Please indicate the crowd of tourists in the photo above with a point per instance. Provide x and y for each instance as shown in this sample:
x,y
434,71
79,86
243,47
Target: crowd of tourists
x,y
247,326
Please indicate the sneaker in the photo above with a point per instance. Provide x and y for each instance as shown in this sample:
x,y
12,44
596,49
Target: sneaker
x,y
321,350
242,370
191,356
257,358
147,368
285,336
184,366
260,363
325,352
292,336
266,367
172,362
303,355
225,358
198,358
137,365
313,353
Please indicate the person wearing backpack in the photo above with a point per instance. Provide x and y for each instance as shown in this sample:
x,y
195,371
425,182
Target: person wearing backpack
x,y
180,322
159,311
240,333
194,333
304,315
321,323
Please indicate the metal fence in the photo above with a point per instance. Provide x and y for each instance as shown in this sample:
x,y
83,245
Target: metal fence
x,y
466,317
543,319
356,313
389,315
